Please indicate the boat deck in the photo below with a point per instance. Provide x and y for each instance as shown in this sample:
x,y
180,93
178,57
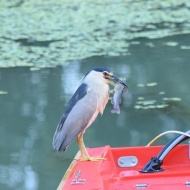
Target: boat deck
x,y
110,174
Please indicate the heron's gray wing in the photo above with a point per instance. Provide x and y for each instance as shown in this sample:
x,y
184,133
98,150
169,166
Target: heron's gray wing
x,y
79,94
76,117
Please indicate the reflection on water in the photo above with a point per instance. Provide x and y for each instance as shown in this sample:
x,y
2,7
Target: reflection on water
x,y
34,102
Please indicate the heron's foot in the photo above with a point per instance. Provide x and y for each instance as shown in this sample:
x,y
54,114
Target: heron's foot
x,y
92,159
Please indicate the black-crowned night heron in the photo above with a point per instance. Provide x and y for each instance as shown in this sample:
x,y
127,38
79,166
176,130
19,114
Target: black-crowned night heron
x,y
88,100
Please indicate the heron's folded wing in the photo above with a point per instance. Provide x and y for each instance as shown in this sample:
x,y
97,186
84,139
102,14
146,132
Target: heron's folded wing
x,y
76,117
79,94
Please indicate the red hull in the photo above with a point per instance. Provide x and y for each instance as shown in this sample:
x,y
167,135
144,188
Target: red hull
x,y
108,175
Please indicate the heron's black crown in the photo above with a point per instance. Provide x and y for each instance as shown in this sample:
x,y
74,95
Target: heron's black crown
x,y
101,69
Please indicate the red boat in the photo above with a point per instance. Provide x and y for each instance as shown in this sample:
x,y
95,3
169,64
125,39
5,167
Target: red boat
x,y
129,168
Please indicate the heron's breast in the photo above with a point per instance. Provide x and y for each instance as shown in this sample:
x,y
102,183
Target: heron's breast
x,y
103,97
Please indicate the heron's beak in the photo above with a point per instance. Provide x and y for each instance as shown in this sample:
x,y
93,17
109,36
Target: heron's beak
x,y
120,81
112,80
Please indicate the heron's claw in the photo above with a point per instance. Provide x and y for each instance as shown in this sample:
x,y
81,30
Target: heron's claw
x,y
84,153
92,159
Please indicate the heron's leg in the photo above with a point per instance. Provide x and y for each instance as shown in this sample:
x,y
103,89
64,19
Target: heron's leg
x,y
84,154
82,147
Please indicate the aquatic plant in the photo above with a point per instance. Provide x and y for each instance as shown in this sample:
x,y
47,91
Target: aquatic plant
x,y
49,33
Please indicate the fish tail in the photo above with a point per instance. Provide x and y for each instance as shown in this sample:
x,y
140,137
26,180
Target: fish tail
x,y
115,110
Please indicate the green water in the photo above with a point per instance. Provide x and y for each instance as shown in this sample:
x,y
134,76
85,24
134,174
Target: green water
x,y
32,102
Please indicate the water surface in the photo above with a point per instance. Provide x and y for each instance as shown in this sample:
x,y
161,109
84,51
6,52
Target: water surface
x,y
32,102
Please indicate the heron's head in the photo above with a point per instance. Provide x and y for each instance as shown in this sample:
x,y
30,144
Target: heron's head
x,y
108,75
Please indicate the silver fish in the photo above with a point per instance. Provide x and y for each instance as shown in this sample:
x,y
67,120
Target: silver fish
x,y
116,99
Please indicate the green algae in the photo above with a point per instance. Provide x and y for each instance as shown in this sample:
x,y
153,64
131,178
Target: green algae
x,y
3,92
49,33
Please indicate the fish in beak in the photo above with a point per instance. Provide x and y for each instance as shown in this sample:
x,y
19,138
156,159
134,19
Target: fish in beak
x,y
113,80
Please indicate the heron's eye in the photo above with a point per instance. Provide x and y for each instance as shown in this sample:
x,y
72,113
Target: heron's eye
x,y
105,73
